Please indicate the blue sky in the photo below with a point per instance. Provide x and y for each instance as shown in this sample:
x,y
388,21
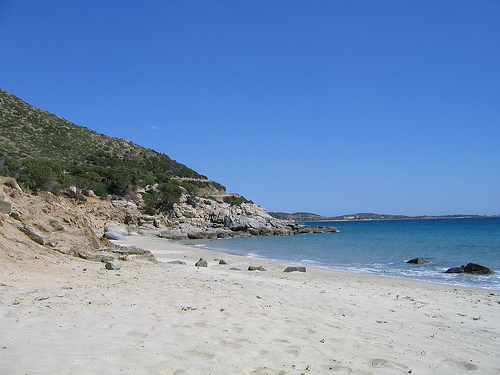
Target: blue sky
x,y
331,107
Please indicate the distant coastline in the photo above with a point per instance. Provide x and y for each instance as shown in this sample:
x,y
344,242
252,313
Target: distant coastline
x,y
310,217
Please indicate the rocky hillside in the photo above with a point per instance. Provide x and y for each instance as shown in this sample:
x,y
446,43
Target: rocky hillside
x,y
73,224
59,166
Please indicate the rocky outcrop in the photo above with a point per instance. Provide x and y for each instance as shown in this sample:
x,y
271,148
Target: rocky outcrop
x,y
472,268
295,269
207,218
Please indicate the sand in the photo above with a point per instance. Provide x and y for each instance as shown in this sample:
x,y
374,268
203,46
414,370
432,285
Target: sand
x,y
179,319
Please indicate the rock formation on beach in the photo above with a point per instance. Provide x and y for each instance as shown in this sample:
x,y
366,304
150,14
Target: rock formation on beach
x,y
69,224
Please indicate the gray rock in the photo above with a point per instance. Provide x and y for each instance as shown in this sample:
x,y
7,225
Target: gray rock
x,y
174,234
201,263
235,269
116,228
295,269
115,264
477,269
107,258
254,268
114,236
225,261
417,261
33,234
5,207
16,216
455,270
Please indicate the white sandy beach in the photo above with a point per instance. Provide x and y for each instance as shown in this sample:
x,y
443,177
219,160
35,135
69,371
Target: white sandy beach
x,y
179,319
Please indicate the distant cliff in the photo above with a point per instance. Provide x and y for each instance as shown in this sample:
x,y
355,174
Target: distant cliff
x,y
304,217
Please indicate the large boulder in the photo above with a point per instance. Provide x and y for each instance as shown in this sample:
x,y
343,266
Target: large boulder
x,y
477,269
114,236
455,270
117,228
473,268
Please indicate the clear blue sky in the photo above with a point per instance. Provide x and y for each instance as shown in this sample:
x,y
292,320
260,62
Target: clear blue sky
x,y
331,107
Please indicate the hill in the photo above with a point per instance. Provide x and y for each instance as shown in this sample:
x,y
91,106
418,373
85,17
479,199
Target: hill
x,y
303,217
298,216
37,145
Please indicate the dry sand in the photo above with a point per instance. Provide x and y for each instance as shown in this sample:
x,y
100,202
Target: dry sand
x,y
179,319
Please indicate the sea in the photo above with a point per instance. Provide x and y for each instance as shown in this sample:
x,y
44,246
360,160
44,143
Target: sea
x,y
382,247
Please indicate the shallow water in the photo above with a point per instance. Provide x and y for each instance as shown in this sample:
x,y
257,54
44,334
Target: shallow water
x,y
382,247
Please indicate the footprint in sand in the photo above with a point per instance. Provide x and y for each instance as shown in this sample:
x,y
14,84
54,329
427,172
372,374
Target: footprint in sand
x,y
337,368
379,362
228,344
137,335
460,365
200,355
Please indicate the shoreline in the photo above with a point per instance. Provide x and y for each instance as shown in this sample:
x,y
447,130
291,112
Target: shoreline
x,y
164,318
191,254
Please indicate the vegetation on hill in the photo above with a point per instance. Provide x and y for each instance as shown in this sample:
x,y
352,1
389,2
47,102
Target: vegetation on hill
x,y
46,152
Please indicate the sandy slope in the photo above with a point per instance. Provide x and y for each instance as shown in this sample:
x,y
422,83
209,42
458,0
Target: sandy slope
x,y
179,319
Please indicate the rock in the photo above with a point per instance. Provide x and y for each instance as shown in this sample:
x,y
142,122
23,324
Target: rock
x,y
473,268
455,270
33,234
114,236
235,269
5,207
174,234
73,191
225,261
201,263
13,184
477,269
417,261
295,269
195,235
107,258
95,242
56,225
16,216
115,264
89,193
113,227
253,268
52,242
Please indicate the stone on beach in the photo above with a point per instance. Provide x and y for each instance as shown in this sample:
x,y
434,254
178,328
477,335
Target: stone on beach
x,y
201,263
115,264
295,269
114,236
254,268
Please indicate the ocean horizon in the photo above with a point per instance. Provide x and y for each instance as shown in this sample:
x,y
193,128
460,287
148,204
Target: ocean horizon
x,y
382,247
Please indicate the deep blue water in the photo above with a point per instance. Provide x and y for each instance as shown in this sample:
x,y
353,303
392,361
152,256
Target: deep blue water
x,y
382,247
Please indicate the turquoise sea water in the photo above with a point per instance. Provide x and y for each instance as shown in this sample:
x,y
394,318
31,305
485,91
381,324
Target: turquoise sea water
x,y
382,247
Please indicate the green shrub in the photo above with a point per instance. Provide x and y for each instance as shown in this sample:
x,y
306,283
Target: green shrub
x,y
236,200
